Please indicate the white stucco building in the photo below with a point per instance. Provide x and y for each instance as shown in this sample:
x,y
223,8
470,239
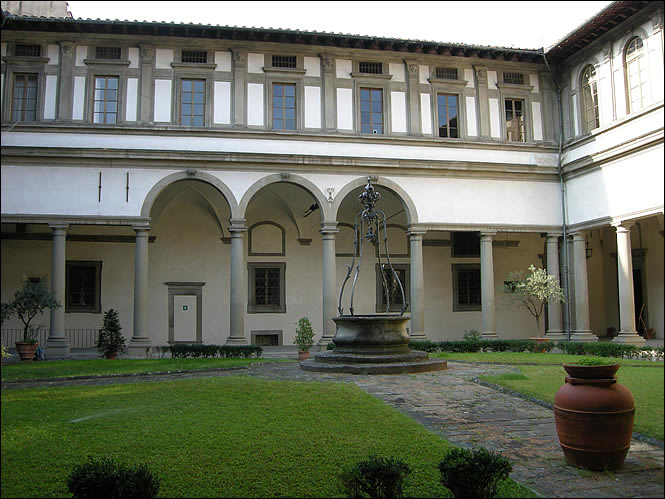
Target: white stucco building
x,y
203,180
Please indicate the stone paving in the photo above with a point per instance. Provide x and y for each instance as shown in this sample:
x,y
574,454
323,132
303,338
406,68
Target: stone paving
x,y
468,414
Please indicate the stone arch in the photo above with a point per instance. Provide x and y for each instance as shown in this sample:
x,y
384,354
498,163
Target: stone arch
x,y
324,207
159,187
407,202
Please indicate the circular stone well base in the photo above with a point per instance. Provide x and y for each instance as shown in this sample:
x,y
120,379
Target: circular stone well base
x,y
419,366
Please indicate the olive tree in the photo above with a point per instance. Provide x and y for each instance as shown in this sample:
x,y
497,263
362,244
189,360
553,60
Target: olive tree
x,y
32,299
532,290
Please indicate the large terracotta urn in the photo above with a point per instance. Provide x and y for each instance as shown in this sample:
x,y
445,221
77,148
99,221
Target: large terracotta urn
x,y
594,417
26,350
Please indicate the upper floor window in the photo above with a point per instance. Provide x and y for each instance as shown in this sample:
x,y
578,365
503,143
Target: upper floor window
x,y
194,56
636,75
446,73
284,61
192,102
105,108
24,97
284,106
589,100
514,109
447,112
23,50
371,110
465,244
370,67
107,52
513,78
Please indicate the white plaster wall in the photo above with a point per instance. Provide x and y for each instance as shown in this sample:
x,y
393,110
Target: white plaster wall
x,y
222,103
312,66
398,111
132,99
255,104
162,101
312,107
468,76
50,96
223,61
163,58
81,54
471,122
423,72
397,72
343,68
255,63
344,108
537,121
53,54
492,80
425,114
495,119
620,188
133,55
78,104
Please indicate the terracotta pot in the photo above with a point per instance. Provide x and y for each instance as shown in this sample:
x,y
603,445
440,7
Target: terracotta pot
x,y
594,417
303,355
26,351
111,356
539,340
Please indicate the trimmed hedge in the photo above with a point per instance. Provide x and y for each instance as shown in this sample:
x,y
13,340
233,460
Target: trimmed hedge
x,y
198,350
618,350
106,478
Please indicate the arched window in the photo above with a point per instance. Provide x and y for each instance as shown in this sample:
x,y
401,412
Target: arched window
x,y
589,100
636,74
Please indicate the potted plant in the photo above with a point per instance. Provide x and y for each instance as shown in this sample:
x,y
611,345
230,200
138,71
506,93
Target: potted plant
x,y
532,291
110,342
32,299
594,415
304,337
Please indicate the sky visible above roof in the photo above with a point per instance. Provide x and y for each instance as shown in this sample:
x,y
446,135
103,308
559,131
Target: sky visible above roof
x,y
525,24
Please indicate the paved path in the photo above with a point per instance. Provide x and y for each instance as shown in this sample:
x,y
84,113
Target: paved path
x,y
468,414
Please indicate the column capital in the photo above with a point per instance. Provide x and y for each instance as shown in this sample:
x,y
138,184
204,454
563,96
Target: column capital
x,y
578,236
623,226
328,228
237,225
58,227
553,235
141,230
487,233
415,230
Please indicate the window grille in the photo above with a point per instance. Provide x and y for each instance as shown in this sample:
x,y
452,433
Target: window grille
x,y
370,67
22,50
107,52
514,78
446,73
195,56
284,61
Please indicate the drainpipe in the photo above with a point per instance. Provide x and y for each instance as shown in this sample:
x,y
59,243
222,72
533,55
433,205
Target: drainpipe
x,y
566,283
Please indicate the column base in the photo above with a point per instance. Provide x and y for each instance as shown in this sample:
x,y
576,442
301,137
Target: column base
x,y
630,338
489,335
136,348
323,342
236,340
583,336
556,335
56,349
418,337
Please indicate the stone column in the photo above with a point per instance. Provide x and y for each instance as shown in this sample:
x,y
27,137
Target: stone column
x,y
487,300
328,231
628,333
145,98
413,95
554,331
238,284
483,101
328,92
57,346
140,340
239,84
582,330
66,81
417,285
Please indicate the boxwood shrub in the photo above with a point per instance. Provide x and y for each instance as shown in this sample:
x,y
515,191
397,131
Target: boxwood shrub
x,y
198,350
106,478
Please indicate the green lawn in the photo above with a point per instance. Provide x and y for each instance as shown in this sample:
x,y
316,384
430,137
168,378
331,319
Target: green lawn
x,y
99,367
543,381
214,437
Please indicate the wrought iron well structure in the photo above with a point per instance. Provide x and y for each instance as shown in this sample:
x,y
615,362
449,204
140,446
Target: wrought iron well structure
x,y
377,343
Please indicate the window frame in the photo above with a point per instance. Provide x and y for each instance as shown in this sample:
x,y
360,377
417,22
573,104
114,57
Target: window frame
x,y
95,308
271,94
438,124
180,99
593,86
463,307
380,295
524,118
36,99
384,107
252,306
450,87
92,100
454,246
639,58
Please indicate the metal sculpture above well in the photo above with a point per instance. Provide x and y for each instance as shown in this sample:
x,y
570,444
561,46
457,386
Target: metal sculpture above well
x,y
376,343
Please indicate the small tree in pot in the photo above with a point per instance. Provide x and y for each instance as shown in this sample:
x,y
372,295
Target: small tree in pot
x,y
110,341
32,299
304,337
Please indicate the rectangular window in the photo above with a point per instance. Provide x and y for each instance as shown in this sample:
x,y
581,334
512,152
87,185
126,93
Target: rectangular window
x,y
514,78
515,120
448,116
266,288
107,52
192,102
194,56
284,61
83,287
466,244
23,50
466,287
24,97
284,106
446,73
370,67
105,106
371,110
394,294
